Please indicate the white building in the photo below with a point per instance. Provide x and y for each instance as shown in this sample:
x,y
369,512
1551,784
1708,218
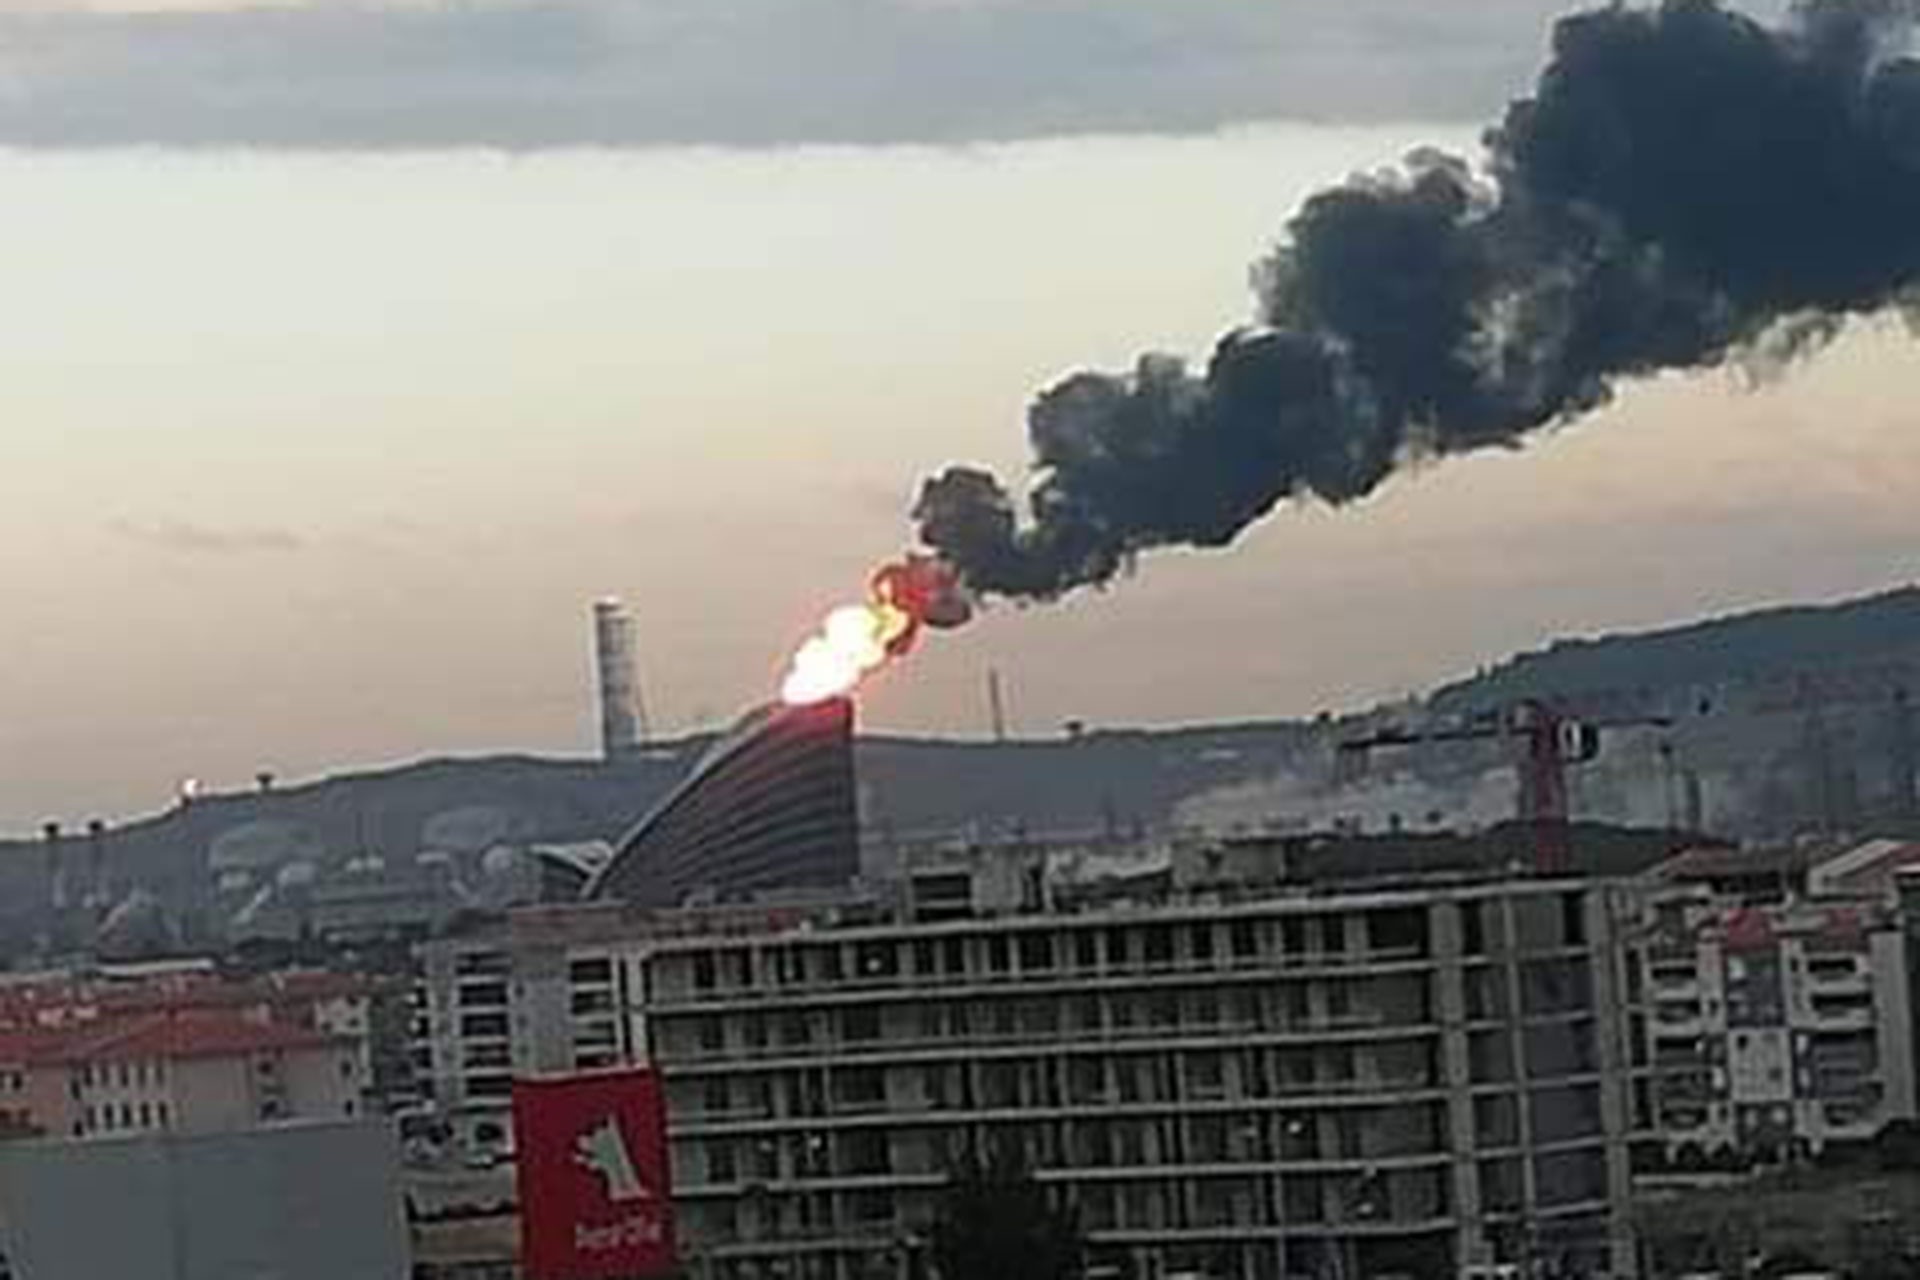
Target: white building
x,y
1774,1012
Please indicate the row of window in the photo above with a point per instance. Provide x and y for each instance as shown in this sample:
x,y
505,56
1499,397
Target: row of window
x,y
141,1073
1398,932
125,1116
1332,1004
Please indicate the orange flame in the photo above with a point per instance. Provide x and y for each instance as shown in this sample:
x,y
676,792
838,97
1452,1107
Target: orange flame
x,y
903,597
854,640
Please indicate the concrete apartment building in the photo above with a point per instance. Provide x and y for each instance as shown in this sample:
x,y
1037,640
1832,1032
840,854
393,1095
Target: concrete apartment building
x,y
553,989
1772,1002
1316,1084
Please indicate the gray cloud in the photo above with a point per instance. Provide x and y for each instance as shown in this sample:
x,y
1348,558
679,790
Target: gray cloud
x,y
198,539
539,73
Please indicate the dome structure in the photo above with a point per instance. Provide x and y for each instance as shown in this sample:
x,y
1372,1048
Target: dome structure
x,y
469,830
263,845
137,926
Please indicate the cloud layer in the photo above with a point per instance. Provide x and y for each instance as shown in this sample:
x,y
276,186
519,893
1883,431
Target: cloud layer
x,y
540,73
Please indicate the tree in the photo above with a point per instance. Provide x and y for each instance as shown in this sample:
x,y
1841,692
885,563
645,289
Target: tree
x,y
997,1223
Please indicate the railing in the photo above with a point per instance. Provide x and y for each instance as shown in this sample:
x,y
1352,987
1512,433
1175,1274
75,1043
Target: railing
x,y
1223,1035
910,982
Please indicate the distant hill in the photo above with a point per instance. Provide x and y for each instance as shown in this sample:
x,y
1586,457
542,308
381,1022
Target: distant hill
x,y
911,788
917,786
1764,643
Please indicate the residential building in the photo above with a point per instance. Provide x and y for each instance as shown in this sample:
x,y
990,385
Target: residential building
x,y
1772,1004
548,990
1352,1082
184,1072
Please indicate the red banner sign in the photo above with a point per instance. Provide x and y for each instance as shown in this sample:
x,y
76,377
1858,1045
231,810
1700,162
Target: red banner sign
x,y
595,1193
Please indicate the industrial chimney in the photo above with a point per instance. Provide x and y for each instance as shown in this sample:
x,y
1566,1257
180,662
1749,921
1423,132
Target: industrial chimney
x,y
622,718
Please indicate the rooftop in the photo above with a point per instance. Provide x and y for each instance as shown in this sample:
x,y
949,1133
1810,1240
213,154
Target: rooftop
x,y
172,1036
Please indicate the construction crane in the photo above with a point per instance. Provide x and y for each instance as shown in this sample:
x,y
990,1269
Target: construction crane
x,y
1547,742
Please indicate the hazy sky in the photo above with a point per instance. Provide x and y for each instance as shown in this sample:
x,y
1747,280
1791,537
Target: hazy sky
x,y
317,459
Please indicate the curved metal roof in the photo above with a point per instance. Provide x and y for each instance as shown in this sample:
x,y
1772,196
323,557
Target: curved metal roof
x,y
771,804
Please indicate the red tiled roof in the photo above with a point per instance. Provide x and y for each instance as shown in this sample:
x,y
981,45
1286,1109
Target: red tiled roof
x,y
199,1035
62,999
39,1044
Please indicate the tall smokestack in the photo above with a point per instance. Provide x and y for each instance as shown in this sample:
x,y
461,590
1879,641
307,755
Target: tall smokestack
x,y
622,718
56,872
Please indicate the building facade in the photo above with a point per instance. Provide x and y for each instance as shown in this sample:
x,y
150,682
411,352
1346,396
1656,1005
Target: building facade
x,y
1772,1021
772,804
189,1072
1357,1083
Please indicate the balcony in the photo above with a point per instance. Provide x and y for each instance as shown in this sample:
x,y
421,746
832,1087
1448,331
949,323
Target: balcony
x,y
912,987
1844,1010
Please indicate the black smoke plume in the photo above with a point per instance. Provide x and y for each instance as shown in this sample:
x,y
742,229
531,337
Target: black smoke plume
x,y
1684,185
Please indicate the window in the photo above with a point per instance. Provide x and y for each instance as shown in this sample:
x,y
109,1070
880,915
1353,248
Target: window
x,y
861,1087
1570,1177
877,960
1086,950
482,964
1496,1120
1200,945
484,1024
486,1055
483,995
1159,947
595,970
1573,919
1500,1186
703,972
1206,1076
1473,938
1401,931
720,1164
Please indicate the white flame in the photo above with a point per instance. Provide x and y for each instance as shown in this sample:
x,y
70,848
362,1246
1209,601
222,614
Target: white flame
x,y
852,642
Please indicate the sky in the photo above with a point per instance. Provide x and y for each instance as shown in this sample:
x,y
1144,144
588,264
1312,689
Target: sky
x,y
324,425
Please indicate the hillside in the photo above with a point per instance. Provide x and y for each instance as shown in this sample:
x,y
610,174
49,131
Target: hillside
x,y
1875,629
919,786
